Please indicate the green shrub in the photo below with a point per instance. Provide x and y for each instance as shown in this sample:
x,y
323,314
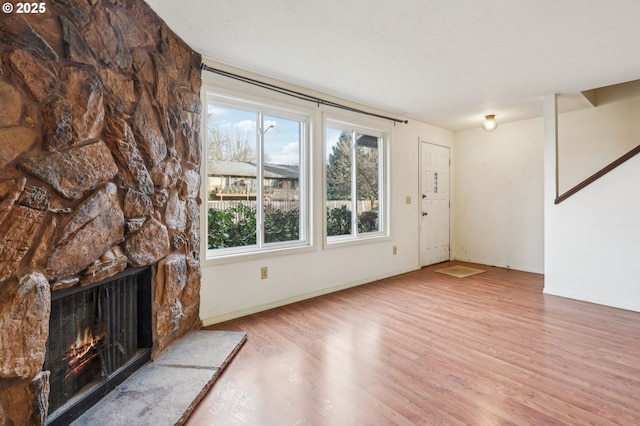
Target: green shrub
x,y
368,221
232,227
338,221
282,226
236,226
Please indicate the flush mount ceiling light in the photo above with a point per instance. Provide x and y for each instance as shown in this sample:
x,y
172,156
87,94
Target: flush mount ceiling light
x,y
489,124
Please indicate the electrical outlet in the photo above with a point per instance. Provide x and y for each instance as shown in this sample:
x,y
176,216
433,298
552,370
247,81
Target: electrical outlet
x,y
264,273
395,250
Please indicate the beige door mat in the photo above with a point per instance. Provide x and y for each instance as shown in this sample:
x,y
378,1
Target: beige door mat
x,y
460,271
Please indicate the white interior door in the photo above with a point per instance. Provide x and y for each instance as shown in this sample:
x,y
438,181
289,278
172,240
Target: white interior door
x,y
434,203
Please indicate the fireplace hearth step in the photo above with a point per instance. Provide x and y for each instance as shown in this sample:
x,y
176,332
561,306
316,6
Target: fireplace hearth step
x,y
165,391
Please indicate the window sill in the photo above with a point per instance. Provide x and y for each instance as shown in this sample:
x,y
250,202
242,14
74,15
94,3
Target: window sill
x,y
254,255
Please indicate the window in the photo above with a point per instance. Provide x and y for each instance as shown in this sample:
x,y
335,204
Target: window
x,y
256,177
355,182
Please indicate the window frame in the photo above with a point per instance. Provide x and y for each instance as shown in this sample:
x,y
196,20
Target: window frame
x,y
213,94
384,134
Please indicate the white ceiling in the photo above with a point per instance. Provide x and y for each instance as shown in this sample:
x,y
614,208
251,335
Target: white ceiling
x,y
442,62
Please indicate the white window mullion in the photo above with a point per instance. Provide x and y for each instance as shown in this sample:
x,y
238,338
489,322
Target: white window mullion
x,y
302,182
382,187
354,186
260,180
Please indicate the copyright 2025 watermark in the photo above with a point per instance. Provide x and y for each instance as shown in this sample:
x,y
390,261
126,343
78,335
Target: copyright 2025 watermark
x,y
23,8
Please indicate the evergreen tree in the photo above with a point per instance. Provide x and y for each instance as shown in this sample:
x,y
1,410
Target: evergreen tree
x,y
339,169
367,168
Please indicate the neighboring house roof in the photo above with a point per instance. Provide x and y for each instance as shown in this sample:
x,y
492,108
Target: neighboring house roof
x,y
248,169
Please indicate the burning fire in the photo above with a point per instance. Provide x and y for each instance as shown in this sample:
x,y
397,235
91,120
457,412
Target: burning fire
x,y
83,350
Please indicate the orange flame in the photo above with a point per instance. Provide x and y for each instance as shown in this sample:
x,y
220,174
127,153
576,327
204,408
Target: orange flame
x,y
80,352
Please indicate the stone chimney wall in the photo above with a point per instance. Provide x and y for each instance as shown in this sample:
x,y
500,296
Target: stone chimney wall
x,y
99,158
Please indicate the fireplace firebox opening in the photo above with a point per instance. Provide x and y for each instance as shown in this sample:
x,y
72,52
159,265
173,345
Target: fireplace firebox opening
x,y
98,336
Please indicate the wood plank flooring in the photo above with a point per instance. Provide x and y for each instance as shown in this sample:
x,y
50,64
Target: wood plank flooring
x,y
427,349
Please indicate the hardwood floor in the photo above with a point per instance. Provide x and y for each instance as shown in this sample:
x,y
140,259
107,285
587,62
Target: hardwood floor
x,y
425,348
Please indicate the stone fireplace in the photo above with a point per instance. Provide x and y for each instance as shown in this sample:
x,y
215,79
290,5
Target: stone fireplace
x,y
99,174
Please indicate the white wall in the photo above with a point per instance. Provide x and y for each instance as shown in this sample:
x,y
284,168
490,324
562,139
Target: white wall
x,y
235,289
502,214
498,202
591,138
592,239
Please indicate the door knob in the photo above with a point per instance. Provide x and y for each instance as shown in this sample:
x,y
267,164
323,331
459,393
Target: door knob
x,y
425,214
424,196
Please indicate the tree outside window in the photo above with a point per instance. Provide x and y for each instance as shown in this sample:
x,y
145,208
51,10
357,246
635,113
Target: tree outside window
x,y
353,182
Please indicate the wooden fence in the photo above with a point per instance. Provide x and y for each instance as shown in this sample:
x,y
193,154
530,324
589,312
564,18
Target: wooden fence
x,y
285,206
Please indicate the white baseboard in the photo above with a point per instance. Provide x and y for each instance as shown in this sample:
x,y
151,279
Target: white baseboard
x,y
266,306
523,268
595,300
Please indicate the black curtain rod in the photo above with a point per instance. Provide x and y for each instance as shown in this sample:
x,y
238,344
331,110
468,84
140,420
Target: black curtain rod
x,y
293,93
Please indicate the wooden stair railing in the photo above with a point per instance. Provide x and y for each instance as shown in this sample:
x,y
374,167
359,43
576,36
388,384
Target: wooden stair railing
x,y
598,175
